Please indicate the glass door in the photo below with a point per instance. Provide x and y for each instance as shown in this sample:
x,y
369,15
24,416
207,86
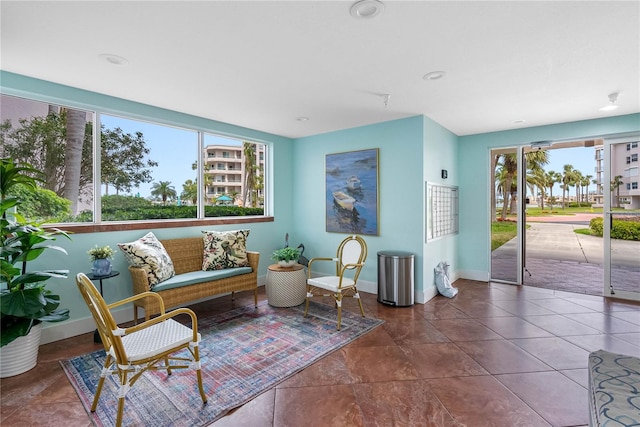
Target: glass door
x,y
622,207
505,215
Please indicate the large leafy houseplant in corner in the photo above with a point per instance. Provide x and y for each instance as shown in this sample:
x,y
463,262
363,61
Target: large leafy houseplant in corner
x,y
24,300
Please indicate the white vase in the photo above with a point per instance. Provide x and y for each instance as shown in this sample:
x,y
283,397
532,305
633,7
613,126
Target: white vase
x,y
21,354
287,263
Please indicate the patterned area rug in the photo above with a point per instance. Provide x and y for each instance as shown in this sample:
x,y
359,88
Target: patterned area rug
x,y
244,352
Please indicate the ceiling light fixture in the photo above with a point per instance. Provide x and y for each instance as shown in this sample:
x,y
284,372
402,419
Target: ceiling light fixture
x,y
518,121
613,97
302,119
434,75
366,9
114,59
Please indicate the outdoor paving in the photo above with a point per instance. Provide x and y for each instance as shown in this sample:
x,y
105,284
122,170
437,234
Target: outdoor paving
x,y
558,258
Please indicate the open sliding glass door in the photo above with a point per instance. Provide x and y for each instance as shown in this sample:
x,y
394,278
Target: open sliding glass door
x,y
621,257
507,221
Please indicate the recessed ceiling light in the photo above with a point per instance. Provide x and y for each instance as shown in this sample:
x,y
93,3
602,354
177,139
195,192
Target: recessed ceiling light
x,y
114,59
613,97
434,75
517,122
302,119
366,9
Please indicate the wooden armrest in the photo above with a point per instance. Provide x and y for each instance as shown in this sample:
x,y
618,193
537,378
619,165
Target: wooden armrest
x,y
137,297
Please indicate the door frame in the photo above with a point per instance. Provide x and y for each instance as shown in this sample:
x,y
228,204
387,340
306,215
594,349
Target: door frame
x,y
607,289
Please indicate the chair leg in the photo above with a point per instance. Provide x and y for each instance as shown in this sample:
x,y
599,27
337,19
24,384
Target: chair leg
x,y
166,362
196,357
357,295
306,304
107,363
255,297
135,314
121,396
339,305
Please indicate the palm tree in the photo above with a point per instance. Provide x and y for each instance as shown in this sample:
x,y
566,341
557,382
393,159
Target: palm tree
x,y
164,190
509,168
538,178
74,139
615,186
585,183
577,180
249,152
509,165
552,178
567,181
535,161
190,191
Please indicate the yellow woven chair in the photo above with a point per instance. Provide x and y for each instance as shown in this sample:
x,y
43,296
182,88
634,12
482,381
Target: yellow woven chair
x,y
147,346
350,259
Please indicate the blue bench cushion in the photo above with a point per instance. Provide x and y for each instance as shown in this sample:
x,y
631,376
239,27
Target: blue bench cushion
x,y
614,388
195,277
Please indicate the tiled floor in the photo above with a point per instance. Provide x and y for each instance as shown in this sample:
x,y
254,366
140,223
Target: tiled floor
x,y
494,355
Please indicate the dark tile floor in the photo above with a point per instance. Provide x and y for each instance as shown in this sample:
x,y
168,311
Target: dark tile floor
x,y
495,354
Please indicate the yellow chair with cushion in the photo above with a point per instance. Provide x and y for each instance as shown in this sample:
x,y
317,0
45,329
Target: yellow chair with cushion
x,y
147,346
349,261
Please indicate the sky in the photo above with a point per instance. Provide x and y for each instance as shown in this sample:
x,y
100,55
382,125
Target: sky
x,y
581,158
174,149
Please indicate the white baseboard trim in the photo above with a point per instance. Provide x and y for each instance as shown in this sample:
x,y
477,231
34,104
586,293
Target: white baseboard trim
x,y
426,295
481,276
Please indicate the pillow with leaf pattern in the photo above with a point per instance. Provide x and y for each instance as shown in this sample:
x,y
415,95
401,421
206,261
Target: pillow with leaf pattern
x,y
148,253
225,249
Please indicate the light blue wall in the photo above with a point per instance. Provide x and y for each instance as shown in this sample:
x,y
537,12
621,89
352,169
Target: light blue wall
x,y
400,144
440,152
474,165
264,237
412,151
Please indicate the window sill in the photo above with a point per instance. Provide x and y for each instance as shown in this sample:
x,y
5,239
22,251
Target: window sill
x,y
166,223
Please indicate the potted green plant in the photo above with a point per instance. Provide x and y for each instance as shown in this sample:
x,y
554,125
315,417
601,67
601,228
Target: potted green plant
x,y
286,257
24,300
101,257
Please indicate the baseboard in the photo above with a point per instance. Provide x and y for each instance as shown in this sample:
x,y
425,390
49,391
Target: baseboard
x,y
481,276
426,295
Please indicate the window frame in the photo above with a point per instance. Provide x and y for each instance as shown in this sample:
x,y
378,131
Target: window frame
x,y
97,225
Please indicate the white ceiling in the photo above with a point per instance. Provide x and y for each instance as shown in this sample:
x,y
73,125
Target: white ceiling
x,y
262,64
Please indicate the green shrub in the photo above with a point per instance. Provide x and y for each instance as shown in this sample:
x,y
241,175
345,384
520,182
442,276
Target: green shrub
x,y
124,202
40,204
127,212
581,205
622,229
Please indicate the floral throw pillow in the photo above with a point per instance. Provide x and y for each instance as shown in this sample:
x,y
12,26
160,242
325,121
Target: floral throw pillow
x,y
225,249
149,254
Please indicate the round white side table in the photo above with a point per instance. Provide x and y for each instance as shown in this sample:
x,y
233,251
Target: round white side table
x,y
286,286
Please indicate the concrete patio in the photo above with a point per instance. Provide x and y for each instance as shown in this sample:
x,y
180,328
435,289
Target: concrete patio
x,y
558,258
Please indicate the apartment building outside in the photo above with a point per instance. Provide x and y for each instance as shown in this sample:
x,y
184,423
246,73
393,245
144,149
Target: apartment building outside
x,y
224,167
625,164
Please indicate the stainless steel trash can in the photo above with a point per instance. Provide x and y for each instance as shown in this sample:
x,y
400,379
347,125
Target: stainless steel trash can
x,y
395,278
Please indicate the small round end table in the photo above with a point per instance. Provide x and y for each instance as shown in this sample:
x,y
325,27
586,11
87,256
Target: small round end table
x,y
286,286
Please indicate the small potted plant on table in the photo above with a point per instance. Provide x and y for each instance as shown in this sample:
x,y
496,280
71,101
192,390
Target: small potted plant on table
x,y
101,257
286,257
